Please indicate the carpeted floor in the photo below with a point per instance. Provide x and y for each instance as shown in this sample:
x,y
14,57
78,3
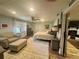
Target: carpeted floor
x,y
35,49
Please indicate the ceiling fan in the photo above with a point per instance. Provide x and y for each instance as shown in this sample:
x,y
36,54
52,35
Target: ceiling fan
x,y
35,18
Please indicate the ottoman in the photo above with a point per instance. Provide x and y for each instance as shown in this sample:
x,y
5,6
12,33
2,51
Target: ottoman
x,y
17,45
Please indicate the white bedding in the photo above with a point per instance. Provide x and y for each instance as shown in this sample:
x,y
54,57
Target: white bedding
x,y
42,36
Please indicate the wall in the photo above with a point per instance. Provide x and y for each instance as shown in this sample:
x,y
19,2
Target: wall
x,y
12,24
9,22
55,22
31,25
40,26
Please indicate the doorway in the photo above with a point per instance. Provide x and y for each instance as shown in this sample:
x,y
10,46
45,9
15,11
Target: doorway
x,y
72,33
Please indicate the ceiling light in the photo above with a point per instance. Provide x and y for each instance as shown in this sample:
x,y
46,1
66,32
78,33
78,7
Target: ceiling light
x,y
31,9
13,12
42,20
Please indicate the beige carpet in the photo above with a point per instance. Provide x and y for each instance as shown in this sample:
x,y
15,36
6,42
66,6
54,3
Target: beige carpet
x,y
35,49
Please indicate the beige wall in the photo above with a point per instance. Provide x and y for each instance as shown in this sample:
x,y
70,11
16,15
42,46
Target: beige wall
x,y
40,26
9,22
12,24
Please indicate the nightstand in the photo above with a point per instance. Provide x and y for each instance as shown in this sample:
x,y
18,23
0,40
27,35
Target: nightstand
x,y
55,44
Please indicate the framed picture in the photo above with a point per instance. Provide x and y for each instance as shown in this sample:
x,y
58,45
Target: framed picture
x,y
46,26
4,26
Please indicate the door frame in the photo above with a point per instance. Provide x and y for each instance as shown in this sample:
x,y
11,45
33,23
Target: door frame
x,y
64,34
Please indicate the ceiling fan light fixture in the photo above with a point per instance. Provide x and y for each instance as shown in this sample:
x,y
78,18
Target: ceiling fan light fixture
x,y
13,12
42,20
32,9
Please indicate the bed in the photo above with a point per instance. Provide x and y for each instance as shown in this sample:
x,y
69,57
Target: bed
x,y
42,36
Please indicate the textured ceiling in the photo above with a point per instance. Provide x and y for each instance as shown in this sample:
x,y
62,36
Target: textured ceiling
x,y
44,9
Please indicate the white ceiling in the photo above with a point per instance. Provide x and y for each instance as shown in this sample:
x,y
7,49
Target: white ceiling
x,y
74,12
43,9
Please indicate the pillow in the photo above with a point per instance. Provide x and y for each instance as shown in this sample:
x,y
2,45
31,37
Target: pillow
x,y
52,32
54,29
